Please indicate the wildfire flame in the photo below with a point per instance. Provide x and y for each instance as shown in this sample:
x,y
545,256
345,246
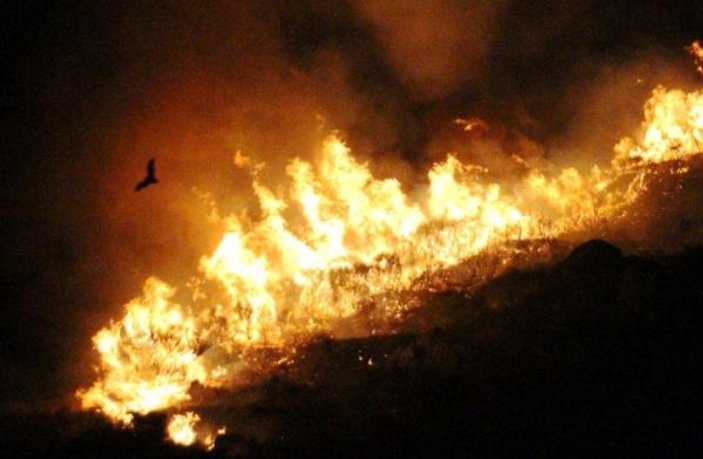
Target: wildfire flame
x,y
339,236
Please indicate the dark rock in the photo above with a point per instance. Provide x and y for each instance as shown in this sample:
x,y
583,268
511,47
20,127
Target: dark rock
x,y
588,280
642,296
592,257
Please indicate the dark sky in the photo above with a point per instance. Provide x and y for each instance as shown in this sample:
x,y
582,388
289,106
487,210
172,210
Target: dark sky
x,y
92,89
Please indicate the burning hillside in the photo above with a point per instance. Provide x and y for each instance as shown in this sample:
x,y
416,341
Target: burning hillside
x,y
339,243
379,228
605,348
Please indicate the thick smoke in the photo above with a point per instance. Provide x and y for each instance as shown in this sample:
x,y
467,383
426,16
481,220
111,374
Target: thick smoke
x,y
94,90
435,47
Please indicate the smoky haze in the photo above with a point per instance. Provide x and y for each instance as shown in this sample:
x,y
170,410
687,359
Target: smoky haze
x,y
92,90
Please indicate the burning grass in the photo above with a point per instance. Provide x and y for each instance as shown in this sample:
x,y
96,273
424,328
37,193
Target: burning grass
x,y
598,351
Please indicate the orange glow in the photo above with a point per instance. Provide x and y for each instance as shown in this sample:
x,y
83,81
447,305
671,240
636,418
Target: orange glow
x,y
472,124
337,236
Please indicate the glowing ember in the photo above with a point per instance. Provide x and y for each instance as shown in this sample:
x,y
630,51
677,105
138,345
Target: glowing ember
x,y
181,428
187,429
339,236
472,124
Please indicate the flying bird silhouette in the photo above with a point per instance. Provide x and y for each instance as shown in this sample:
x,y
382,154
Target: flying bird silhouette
x,y
150,178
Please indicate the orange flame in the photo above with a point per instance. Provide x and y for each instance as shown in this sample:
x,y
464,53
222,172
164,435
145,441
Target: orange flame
x,y
148,358
673,128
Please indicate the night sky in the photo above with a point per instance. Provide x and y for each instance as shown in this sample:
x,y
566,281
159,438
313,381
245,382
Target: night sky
x,y
91,90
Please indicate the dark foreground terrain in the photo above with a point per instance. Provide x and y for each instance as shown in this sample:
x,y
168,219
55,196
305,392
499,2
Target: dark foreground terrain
x,y
600,353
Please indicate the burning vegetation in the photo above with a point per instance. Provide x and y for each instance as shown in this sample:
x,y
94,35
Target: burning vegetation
x,y
338,243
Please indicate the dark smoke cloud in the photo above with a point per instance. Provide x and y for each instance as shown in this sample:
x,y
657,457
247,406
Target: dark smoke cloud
x,y
92,90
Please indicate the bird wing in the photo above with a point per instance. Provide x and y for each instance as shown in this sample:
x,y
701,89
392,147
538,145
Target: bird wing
x,y
150,176
151,167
